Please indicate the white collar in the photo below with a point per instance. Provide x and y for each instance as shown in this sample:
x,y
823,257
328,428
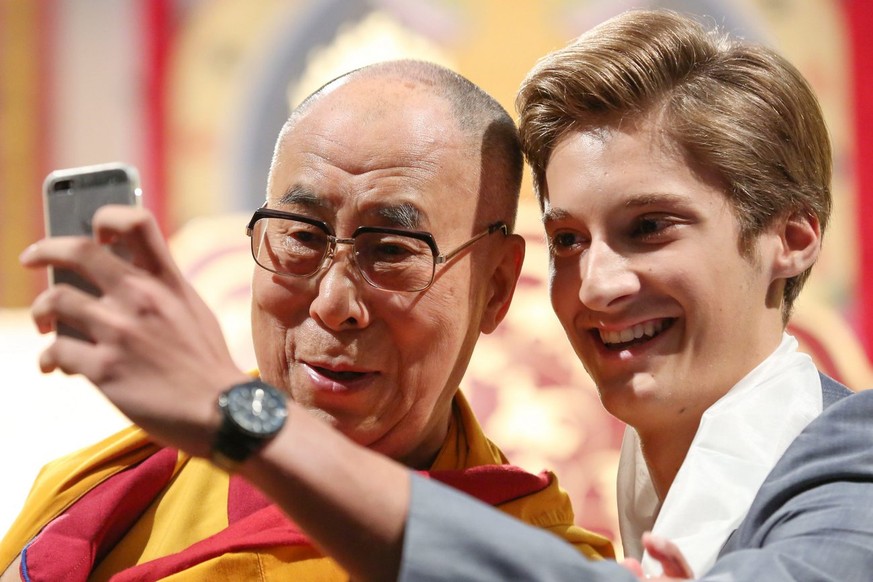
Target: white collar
x,y
739,440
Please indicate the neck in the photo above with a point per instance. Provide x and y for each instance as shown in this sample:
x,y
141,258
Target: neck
x,y
423,456
664,453
666,441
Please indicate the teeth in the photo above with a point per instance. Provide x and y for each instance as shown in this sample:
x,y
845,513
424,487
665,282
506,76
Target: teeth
x,y
647,329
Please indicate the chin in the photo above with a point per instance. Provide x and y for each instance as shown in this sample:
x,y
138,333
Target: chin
x,y
624,399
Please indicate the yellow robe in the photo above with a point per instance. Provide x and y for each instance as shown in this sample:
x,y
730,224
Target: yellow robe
x,y
193,507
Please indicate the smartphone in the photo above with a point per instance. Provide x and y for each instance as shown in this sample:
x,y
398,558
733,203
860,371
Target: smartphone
x,y
70,199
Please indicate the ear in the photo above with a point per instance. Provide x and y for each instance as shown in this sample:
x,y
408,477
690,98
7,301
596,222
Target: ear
x,y
501,287
798,246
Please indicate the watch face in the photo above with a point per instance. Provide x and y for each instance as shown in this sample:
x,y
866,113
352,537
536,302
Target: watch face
x,y
258,410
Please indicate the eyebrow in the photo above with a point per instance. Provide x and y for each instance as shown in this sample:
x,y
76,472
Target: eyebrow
x,y
638,201
402,215
553,214
655,198
299,195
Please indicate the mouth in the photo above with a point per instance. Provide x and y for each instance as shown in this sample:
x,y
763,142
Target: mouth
x,y
338,378
339,375
634,335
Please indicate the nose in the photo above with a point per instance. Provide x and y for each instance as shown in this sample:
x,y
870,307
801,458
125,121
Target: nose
x,y
607,278
339,304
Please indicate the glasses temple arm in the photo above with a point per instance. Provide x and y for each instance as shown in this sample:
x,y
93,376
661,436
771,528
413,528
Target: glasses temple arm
x,y
492,228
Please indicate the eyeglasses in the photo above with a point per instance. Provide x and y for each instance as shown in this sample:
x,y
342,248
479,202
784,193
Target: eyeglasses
x,y
392,259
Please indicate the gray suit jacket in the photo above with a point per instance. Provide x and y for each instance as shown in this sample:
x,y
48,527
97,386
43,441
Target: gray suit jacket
x,y
811,520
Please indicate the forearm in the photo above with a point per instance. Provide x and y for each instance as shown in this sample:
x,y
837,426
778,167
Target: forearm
x,y
351,501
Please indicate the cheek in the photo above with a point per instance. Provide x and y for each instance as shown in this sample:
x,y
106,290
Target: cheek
x,y
422,332
275,298
564,290
431,335
275,310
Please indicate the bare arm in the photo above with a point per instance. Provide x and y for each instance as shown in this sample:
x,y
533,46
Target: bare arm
x,y
351,501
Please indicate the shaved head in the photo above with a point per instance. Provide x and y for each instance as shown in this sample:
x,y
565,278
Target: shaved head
x,y
489,131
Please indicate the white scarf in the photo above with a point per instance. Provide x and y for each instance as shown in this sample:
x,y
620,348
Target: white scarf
x,y
740,439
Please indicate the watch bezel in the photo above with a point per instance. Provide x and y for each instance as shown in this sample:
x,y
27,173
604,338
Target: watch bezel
x,y
227,400
235,441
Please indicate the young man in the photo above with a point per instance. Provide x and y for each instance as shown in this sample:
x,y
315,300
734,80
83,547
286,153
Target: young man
x,y
685,183
382,252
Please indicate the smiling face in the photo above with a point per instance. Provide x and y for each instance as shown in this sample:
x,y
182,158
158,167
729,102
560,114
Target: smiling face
x,y
648,279
380,366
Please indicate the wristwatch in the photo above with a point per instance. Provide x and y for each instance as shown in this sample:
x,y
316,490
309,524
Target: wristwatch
x,y
252,413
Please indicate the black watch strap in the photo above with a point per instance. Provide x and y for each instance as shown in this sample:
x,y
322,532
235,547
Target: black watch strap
x,y
238,436
233,443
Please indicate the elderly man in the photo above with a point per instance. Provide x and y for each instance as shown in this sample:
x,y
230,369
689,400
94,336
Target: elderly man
x,y
383,251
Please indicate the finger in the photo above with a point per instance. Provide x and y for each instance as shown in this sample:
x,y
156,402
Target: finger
x,y
43,317
63,304
668,555
79,254
68,355
74,357
136,231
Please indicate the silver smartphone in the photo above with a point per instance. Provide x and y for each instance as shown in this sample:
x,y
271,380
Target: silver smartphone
x,y
70,199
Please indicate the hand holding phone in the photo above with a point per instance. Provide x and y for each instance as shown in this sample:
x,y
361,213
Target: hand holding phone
x,y
152,341
71,197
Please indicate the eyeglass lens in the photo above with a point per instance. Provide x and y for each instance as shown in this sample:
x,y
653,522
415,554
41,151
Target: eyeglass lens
x,y
386,260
